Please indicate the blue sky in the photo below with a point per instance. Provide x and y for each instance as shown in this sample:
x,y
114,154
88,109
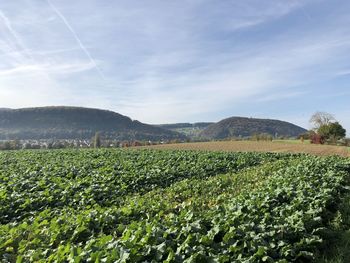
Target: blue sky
x,y
162,61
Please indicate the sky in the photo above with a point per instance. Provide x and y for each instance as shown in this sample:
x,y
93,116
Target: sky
x,y
163,61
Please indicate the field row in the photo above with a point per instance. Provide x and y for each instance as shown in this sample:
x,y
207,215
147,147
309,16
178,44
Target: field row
x,y
33,181
238,207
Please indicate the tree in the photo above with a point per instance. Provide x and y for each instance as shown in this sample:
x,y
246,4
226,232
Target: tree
x,y
332,131
97,140
319,119
326,128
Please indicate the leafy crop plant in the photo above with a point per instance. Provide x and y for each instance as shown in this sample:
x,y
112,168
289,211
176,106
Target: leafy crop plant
x,y
166,206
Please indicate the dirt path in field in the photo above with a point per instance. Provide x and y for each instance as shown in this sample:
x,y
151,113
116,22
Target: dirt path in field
x,y
249,146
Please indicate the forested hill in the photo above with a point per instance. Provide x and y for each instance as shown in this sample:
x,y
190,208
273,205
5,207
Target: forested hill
x,y
241,126
76,123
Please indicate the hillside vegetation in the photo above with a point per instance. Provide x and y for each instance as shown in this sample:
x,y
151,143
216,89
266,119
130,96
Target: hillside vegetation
x,y
76,122
189,129
199,125
245,127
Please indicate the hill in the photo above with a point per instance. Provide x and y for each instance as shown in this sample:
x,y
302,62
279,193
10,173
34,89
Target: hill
x,y
76,123
244,127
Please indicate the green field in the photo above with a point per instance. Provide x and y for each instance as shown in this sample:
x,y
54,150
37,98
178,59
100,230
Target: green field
x,y
172,206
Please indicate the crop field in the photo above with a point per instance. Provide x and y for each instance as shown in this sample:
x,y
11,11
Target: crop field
x,y
289,146
144,205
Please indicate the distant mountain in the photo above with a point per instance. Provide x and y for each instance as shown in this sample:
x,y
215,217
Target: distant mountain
x,y
189,129
240,126
74,123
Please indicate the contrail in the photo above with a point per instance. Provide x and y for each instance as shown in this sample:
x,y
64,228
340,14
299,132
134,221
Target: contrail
x,y
20,46
87,53
14,34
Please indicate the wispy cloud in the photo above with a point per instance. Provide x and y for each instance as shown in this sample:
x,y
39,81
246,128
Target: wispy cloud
x,y
11,52
182,60
281,96
343,72
252,13
267,74
53,69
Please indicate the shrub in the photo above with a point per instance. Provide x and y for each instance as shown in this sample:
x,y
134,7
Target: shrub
x,y
347,142
261,137
317,139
